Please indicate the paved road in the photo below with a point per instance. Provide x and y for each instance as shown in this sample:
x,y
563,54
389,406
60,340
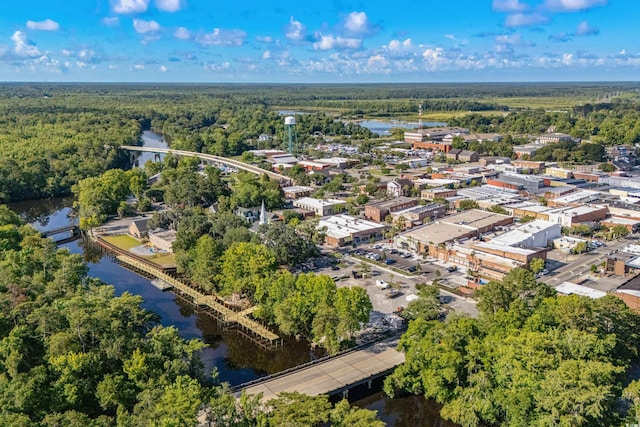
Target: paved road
x,y
582,265
335,374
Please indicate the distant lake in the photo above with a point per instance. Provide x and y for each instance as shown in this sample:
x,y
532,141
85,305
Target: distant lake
x,y
291,112
382,128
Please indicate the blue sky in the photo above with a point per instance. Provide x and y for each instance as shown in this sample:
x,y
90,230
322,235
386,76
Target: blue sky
x,y
310,41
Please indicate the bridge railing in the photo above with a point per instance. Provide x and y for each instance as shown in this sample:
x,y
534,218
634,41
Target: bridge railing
x,y
359,347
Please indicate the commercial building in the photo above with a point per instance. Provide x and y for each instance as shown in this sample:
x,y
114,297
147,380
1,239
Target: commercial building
x,y
432,193
570,216
321,207
528,150
536,234
435,236
379,211
632,225
553,137
296,192
341,230
418,215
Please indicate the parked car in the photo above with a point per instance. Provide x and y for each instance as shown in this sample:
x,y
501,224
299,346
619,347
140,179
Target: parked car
x,y
393,251
392,293
452,269
389,261
412,269
405,255
382,284
335,268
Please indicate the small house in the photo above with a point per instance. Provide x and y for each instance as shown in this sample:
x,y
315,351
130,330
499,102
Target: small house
x,y
138,228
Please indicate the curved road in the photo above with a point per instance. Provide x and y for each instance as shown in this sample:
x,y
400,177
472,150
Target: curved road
x,y
209,157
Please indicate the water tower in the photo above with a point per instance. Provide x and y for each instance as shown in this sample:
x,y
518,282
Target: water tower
x,y
290,130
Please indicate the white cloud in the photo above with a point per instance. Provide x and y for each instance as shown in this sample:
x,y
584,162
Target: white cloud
x,y
222,37
182,33
377,61
217,67
163,69
139,66
509,6
567,58
144,27
130,6
357,23
329,42
24,47
295,31
266,54
113,67
525,19
264,39
574,5
46,25
584,29
111,22
450,36
169,5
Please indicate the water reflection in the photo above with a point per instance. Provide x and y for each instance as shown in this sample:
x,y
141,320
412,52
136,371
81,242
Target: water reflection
x,y
409,411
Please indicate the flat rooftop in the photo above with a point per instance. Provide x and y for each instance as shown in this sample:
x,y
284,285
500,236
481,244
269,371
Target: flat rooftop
x,y
475,218
390,203
341,226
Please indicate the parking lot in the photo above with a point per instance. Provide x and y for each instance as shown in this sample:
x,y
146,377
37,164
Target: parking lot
x,y
389,300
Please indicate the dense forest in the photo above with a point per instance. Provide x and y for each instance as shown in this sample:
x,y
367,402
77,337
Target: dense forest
x,y
72,353
531,359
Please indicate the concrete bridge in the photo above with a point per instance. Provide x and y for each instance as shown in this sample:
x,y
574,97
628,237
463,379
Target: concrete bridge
x,y
333,375
211,159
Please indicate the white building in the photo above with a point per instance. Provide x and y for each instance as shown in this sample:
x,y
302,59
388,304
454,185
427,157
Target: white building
x,y
322,207
534,234
341,230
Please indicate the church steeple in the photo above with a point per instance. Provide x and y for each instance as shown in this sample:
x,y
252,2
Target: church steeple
x,y
263,215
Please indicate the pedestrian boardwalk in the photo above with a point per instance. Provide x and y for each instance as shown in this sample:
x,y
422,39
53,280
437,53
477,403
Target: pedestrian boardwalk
x,y
209,301
334,375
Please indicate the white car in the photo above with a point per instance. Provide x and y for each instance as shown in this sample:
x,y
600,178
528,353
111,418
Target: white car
x,y
382,284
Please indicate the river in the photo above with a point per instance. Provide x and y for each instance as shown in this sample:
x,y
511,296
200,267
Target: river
x,y
236,358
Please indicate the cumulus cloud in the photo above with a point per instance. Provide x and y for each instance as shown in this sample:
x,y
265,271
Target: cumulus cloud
x,y
584,29
144,27
266,54
560,37
46,25
525,19
222,37
182,33
169,5
111,21
130,6
163,69
357,23
573,5
138,66
23,47
295,31
328,42
509,6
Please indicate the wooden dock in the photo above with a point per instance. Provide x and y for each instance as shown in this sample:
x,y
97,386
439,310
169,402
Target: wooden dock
x,y
333,375
210,302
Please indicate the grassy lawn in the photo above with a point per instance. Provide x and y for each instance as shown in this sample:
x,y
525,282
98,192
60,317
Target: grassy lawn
x,y
165,260
123,241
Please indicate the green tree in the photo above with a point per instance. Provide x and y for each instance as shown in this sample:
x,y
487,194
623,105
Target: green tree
x,y
293,409
243,266
536,265
353,307
607,167
498,209
427,306
468,204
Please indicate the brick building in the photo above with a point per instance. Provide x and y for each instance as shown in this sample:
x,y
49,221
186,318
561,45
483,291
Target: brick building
x,y
379,211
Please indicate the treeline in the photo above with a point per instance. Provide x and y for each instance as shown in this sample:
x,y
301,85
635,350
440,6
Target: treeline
x,y
614,123
531,359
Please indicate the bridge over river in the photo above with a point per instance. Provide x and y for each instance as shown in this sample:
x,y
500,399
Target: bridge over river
x,y
212,159
332,375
